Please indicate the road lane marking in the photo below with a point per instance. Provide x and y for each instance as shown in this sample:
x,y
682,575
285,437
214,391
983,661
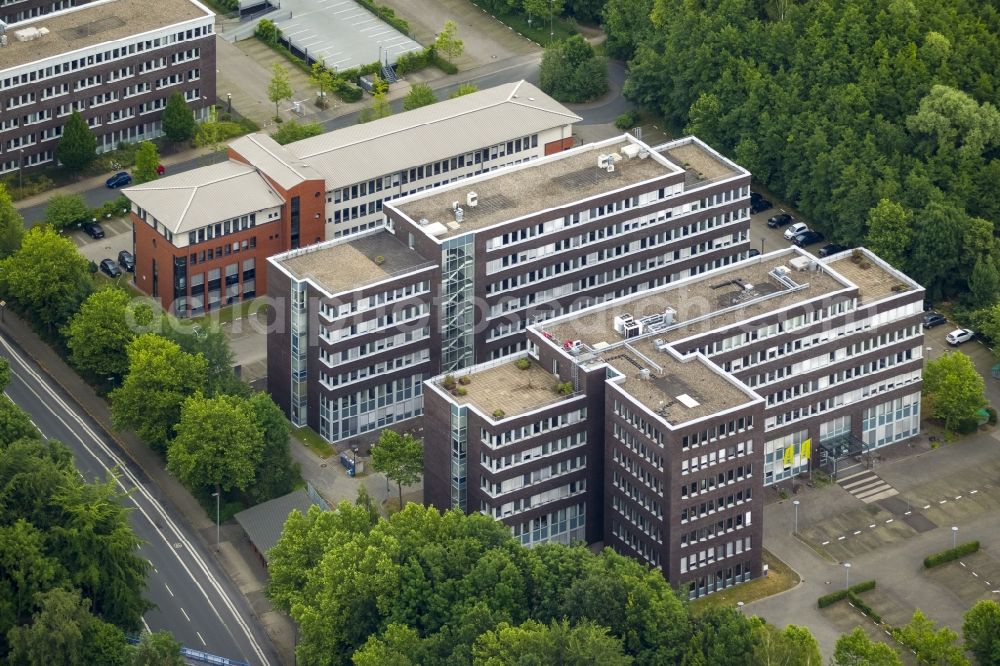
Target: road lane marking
x,y
825,542
858,532
146,624
119,470
871,526
185,613
168,589
928,506
942,501
198,633
889,521
841,538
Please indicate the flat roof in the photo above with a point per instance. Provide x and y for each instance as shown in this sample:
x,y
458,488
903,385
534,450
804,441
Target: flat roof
x,y
94,23
680,390
702,164
506,387
558,180
193,199
875,278
710,301
346,264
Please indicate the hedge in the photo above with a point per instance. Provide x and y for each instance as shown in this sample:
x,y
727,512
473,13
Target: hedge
x,y
387,15
951,554
834,597
863,607
348,91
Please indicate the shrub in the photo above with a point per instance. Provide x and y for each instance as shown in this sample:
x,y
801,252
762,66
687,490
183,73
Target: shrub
x,y
267,32
863,607
993,415
448,382
863,587
564,388
498,414
379,260
627,120
387,15
445,66
522,363
348,91
411,62
460,391
967,426
834,597
951,554
465,381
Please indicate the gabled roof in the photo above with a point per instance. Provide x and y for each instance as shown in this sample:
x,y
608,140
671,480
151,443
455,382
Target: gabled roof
x,y
203,196
428,134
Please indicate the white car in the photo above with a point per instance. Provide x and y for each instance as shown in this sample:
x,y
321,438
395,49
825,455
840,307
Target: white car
x,y
795,229
959,335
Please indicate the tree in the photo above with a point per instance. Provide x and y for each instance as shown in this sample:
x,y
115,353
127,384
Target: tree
x,y
47,277
11,225
856,649
160,378
379,109
420,95
447,41
464,89
792,645
67,210
986,321
14,423
4,373
984,282
583,644
147,159
981,631
99,333
279,88
292,131
78,146
218,444
209,132
209,342
275,475
400,458
890,232
157,649
57,634
178,119
720,637
933,647
954,388
572,72
627,25
325,82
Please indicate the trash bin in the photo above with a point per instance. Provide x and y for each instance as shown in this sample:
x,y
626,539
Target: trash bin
x,y
347,460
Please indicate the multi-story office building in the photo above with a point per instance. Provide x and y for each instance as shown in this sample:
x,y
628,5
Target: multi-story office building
x,y
329,186
460,271
652,422
115,61
15,11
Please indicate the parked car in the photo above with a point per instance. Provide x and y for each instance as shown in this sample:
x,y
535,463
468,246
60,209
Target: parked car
x,y
960,335
93,229
807,237
780,220
932,319
796,229
110,268
126,261
831,248
760,206
754,252
120,179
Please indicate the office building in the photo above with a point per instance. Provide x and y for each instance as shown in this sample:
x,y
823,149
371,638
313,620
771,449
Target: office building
x,y
461,270
652,422
270,198
115,61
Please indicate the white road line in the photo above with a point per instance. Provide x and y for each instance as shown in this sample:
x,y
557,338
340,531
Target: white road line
x,y
198,633
871,526
942,501
962,563
928,506
146,624
973,492
185,614
857,532
841,538
907,513
124,470
959,497
975,574
168,589
889,521
824,543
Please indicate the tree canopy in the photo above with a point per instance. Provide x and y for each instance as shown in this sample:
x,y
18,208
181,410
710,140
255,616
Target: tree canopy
x,y
99,333
147,159
279,88
400,457
293,131
66,210
420,95
11,225
954,388
572,72
77,147
868,117
178,119
981,631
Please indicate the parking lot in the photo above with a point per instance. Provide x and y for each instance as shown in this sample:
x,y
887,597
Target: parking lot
x,y
117,237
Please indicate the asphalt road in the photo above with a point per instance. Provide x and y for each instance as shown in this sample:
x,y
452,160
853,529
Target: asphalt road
x,y
593,114
195,601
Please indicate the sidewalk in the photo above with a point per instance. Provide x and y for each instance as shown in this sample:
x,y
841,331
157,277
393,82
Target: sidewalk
x,y
234,557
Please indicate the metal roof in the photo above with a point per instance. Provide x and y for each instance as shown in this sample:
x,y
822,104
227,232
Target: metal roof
x,y
263,523
210,194
430,133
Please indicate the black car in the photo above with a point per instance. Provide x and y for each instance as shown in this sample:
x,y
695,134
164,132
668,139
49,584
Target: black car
x,y
807,238
780,220
93,229
110,268
754,252
932,319
760,205
126,261
831,248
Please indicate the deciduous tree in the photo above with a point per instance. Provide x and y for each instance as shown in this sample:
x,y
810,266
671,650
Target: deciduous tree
x,y
954,389
157,649
572,72
99,333
279,88
47,278
4,373
856,649
147,159
463,89
325,82
78,146
981,631
400,457
420,95
984,282
793,645
14,423
160,378
11,225
583,644
292,131
890,233
66,210
218,444
447,42
275,475
933,646
178,119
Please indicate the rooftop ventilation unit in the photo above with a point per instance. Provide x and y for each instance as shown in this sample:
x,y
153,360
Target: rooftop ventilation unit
x,y
454,226
620,321
423,222
633,329
781,270
602,161
459,214
631,151
471,199
747,287
29,34
436,229
669,316
800,263
644,374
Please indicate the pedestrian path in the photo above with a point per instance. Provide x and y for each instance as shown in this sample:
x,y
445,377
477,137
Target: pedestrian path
x,y
867,486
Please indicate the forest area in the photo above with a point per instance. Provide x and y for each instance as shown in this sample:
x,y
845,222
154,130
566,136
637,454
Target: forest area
x,y
876,119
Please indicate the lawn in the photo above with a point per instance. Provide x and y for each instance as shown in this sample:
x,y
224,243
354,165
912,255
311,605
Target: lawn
x,y
779,578
313,442
229,313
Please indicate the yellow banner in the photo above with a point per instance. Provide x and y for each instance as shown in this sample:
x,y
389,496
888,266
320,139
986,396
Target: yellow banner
x,y
806,450
789,456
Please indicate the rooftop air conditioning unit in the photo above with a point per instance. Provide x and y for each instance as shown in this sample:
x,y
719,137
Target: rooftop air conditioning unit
x,y
620,321
633,329
459,214
471,199
781,270
747,287
669,316
799,263
454,205
423,221
611,167
602,161
631,151
644,374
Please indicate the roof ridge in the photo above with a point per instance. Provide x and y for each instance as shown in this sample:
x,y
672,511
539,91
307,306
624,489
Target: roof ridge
x,y
163,188
180,218
252,137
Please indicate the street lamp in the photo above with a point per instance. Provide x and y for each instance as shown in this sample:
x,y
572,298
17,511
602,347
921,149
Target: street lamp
x,y
3,306
847,569
229,103
954,536
762,246
795,503
216,496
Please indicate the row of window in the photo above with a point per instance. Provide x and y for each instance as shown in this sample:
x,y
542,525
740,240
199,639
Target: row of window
x,y
635,493
640,520
375,369
710,555
722,526
526,504
532,429
535,476
332,310
640,546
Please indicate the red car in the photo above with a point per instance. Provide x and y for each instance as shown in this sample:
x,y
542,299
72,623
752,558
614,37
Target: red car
x,y
160,169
